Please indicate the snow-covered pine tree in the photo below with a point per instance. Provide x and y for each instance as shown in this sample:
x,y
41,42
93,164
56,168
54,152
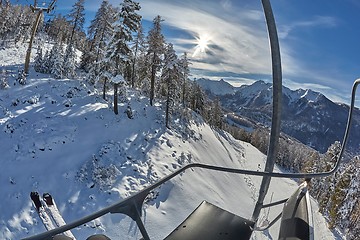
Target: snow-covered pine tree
x,y
59,29
139,54
349,212
69,63
77,19
46,64
156,47
118,52
99,34
171,77
4,79
38,62
215,115
327,184
12,17
5,16
339,194
56,60
184,61
25,16
21,78
197,97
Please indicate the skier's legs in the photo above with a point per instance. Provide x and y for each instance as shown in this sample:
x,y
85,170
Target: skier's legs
x,y
98,237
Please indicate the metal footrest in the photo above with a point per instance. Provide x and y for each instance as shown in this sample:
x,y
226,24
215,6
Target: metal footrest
x,y
211,222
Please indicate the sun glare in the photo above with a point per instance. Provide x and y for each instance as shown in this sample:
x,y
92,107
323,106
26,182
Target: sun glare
x,y
202,44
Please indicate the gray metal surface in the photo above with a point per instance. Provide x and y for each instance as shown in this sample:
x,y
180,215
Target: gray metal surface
x,y
276,111
209,222
295,217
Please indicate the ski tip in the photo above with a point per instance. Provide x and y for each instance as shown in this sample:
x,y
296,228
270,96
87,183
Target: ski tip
x,y
36,199
48,199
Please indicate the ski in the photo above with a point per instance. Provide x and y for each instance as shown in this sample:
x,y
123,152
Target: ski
x,y
43,215
52,210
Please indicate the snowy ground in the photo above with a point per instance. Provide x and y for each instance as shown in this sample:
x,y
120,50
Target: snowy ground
x,y
59,136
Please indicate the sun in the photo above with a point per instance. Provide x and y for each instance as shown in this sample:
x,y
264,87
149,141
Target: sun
x,y
202,45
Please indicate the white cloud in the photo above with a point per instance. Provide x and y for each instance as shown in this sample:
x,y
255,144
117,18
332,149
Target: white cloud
x,y
235,45
317,21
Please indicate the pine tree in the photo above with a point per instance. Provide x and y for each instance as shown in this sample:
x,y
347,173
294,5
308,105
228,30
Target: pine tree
x,y
156,48
216,114
328,184
138,49
338,195
59,29
12,18
185,74
77,18
4,79
197,97
171,75
69,63
46,64
349,212
38,62
56,61
118,52
100,32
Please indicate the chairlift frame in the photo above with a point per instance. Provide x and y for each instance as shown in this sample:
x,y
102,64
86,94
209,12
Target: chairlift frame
x,y
132,206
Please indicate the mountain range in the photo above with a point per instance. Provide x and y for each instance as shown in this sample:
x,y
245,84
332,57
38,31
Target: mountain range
x,y
307,115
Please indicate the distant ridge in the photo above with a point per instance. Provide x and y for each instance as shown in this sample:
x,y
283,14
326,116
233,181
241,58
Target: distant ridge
x,y
220,87
307,115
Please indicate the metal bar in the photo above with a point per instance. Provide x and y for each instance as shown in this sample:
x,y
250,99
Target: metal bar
x,y
270,224
274,203
35,27
28,51
276,111
141,226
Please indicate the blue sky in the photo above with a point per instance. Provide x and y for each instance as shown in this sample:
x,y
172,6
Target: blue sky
x,y
319,40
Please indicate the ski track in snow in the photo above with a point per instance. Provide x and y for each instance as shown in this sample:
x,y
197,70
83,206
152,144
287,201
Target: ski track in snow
x,y
59,136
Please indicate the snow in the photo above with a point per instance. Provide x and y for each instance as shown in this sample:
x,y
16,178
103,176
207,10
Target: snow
x,y
118,79
89,158
220,87
310,95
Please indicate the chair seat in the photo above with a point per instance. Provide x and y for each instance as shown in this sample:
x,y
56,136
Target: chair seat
x,y
211,222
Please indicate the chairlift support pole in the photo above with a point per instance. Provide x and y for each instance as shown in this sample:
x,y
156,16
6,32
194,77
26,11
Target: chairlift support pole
x,y
276,112
34,29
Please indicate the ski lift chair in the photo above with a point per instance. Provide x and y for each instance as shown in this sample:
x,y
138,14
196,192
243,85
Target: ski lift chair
x,y
211,222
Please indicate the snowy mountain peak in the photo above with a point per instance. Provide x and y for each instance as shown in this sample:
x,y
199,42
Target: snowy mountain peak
x,y
307,116
220,87
310,95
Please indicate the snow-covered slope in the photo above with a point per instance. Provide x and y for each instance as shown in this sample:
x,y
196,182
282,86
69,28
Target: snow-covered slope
x,y
59,136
